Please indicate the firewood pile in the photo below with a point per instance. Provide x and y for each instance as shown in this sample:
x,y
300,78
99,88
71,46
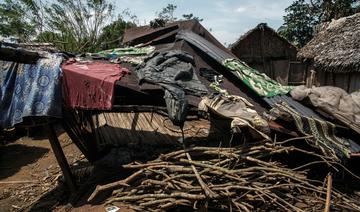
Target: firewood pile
x,y
244,178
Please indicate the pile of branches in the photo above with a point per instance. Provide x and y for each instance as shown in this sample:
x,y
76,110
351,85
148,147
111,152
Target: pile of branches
x,y
245,178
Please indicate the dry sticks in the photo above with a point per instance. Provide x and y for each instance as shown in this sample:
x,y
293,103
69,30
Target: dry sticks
x,y
246,178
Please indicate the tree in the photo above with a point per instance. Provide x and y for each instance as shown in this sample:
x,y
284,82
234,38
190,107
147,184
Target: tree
x,y
299,23
191,16
13,22
167,13
112,34
128,15
302,17
326,10
79,21
72,25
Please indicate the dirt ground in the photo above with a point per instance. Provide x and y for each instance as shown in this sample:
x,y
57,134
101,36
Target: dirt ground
x,y
29,171
31,180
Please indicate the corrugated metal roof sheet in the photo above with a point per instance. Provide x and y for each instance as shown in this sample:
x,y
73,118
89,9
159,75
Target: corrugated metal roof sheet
x,y
149,128
300,108
213,51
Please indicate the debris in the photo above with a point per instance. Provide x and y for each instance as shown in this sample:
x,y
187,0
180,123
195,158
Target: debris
x,y
15,206
323,132
328,193
242,178
112,209
19,182
47,175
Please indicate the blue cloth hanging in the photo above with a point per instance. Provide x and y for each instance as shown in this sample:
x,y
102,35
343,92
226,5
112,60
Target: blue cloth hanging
x,y
30,90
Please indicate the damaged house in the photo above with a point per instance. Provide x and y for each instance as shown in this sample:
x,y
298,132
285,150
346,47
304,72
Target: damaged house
x,y
159,106
182,120
332,56
263,49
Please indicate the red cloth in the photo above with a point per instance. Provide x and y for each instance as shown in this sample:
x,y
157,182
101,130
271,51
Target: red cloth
x,y
91,85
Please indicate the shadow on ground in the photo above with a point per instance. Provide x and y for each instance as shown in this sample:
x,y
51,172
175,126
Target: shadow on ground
x,y
15,156
87,177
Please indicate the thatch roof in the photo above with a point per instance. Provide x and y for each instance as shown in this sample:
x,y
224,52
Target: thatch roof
x,y
336,48
262,27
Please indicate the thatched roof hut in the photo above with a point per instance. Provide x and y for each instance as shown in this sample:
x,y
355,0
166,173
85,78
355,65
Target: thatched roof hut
x,y
337,47
265,50
334,53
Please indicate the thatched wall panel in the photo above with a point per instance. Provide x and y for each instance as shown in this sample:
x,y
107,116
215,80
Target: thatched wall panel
x,y
354,83
261,48
350,82
280,71
341,81
148,128
297,73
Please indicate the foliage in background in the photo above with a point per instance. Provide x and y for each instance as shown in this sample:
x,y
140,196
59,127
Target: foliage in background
x,y
166,15
112,34
191,16
299,24
14,22
72,25
302,17
78,22
326,10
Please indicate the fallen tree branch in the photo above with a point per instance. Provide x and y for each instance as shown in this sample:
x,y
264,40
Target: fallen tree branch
x,y
238,178
125,182
328,193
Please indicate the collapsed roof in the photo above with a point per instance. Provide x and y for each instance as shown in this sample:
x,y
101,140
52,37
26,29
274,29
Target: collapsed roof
x,y
176,36
191,37
167,34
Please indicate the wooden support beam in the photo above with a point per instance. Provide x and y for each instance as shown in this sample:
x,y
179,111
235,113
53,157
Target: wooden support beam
x,y
18,55
61,159
77,141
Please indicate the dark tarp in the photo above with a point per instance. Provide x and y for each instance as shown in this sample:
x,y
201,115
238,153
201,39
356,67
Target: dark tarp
x,y
174,71
172,68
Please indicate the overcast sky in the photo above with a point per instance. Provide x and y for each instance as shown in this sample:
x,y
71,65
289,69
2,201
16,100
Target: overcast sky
x,y
228,19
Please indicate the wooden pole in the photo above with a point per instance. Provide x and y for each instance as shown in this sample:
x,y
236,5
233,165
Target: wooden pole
x,y
328,193
61,159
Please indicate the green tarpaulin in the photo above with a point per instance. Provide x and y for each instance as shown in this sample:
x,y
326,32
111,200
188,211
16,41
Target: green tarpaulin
x,y
258,82
119,52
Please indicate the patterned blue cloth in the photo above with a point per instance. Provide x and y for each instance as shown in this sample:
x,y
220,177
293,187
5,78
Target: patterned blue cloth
x,y
30,90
